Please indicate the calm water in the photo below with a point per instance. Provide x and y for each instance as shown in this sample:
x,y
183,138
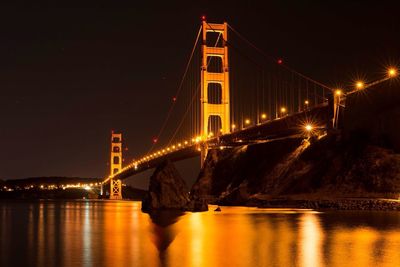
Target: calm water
x,y
107,233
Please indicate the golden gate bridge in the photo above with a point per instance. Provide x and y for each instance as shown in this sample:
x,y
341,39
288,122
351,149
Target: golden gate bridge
x,y
232,93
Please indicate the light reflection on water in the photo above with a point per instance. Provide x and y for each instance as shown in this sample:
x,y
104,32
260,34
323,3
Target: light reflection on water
x,y
112,233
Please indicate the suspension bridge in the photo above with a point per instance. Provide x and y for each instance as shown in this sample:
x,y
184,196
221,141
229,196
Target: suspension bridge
x,y
232,93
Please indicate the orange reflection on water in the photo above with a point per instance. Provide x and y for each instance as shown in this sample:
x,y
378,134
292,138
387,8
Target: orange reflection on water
x,y
117,233
311,240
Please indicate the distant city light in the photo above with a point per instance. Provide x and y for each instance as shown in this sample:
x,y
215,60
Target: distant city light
x,y
306,102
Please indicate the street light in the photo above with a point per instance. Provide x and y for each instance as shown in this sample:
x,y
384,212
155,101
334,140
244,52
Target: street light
x,y
360,85
309,127
392,72
262,118
283,111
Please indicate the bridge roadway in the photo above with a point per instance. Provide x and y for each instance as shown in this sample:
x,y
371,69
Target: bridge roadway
x,y
319,116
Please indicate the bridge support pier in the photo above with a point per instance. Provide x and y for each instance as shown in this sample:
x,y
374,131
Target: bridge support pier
x,y
336,108
203,153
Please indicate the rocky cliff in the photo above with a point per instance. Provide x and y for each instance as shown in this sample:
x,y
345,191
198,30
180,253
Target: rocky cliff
x,y
299,169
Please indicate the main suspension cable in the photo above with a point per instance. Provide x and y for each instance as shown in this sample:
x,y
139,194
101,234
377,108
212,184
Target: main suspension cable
x,y
177,93
276,60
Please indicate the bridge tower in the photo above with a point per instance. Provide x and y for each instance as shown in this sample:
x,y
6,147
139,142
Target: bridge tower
x,y
116,165
220,80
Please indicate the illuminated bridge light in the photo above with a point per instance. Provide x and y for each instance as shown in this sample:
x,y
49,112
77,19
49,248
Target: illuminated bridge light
x,y
283,110
233,127
360,85
186,142
392,72
247,121
263,116
338,92
306,102
179,145
309,127
173,147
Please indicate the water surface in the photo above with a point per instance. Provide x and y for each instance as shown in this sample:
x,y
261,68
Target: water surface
x,y
117,233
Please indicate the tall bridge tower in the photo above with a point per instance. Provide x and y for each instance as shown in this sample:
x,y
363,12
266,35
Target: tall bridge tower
x,y
116,165
212,80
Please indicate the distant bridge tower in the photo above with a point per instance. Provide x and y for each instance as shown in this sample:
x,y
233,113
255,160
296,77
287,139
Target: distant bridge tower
x,y
213,80
116,165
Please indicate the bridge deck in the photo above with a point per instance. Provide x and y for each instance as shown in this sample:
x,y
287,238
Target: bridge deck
x,y
286,126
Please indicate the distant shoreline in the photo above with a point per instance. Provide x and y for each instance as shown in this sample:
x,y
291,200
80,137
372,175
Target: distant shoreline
x,y
342,204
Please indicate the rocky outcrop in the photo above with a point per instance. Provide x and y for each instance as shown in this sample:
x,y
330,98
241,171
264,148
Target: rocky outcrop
x,y
167,190
239,172
296,169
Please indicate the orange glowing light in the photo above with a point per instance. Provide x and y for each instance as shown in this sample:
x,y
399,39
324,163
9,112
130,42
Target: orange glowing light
x,y
338,92
309,127
392,72
360,85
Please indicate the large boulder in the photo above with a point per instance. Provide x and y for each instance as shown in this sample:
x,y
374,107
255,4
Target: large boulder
x,y
167,190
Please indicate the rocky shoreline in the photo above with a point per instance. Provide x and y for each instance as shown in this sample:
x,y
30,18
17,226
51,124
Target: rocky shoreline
x,y
329,204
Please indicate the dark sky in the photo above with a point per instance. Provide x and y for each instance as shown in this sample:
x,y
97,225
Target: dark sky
x,y
70,74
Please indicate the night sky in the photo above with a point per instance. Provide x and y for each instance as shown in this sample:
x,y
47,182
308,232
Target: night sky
x,y
69,75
